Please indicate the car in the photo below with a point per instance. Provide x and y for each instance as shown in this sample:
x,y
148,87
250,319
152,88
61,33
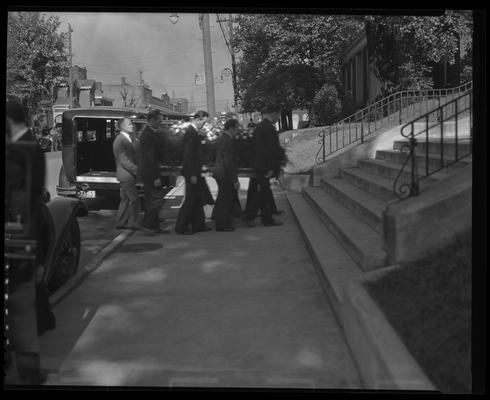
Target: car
x,y
88,168
42,252
58,218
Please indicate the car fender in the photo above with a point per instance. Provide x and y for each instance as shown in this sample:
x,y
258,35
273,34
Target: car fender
x,y
62,211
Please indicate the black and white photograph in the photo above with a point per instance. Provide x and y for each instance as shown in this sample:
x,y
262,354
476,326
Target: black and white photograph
x,y
242,199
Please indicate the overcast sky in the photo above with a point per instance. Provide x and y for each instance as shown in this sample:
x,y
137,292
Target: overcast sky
x,y
112,45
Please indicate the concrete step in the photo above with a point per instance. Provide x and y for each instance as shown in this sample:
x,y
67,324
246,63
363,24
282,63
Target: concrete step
x,y
334,266
376,185
390,170
366,206
449,146
363,244
434,160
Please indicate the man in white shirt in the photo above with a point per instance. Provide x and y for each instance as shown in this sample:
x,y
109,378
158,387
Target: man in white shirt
x,y
128,213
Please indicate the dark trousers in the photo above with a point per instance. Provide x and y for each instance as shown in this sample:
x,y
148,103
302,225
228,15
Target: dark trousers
x,y
128,213
223,207
237,207
192,212
260,199
153,203
253,188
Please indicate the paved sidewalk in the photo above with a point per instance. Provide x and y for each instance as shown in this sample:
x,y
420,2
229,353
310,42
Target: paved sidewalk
x,y
240,309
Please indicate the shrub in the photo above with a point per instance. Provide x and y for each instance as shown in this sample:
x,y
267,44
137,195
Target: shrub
x,y
327,105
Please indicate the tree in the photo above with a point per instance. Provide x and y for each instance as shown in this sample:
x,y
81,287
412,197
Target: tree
x,y
289,86
402,49
267,41
36,57
131,101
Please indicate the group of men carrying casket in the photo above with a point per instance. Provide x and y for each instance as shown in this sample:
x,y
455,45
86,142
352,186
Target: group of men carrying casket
x,y
140,160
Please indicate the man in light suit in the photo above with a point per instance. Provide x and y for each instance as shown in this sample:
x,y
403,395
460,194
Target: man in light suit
x,y
226,174
128,213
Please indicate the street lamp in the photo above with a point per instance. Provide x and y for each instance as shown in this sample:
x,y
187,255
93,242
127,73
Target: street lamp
x,y
174,18
208,63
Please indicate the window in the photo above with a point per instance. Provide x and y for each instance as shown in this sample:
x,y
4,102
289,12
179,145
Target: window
x,y
94,129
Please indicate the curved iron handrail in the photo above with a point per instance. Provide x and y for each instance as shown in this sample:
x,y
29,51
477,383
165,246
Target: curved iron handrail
x,y
403,189
393,102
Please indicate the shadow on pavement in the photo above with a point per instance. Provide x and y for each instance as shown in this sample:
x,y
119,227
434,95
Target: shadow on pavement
x,y
139,248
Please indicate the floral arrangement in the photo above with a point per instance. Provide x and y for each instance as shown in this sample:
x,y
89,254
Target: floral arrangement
x,y
244,144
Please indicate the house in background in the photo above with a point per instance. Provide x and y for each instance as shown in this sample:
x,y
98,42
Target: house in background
x,y
180,104
140,96
99,98
357,76
359,79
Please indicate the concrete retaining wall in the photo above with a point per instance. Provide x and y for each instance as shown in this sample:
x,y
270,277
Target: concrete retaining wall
x,y
382,358
294,182
417,225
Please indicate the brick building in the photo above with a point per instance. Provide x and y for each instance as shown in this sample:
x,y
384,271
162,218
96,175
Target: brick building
x,y
140,95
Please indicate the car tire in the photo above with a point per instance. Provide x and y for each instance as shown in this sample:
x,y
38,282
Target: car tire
x,y
67,257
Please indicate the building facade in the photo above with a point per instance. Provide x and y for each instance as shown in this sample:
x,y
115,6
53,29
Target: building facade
x,y
141,96
357,77
362,84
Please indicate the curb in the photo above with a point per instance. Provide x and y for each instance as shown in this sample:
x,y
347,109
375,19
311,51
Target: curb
x,y
383,360
82,273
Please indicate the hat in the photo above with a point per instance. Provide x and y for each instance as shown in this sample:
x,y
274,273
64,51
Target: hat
x,y
270,108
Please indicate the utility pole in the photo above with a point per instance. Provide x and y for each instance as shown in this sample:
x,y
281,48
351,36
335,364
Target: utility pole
x,y
233,63
208,64
71,65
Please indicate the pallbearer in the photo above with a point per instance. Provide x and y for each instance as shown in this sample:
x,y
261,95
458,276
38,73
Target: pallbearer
x,y
266,164
150,147
128,213
191,218
225,173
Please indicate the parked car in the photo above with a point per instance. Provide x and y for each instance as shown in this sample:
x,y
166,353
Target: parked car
x,y
89,169
42,251
60,236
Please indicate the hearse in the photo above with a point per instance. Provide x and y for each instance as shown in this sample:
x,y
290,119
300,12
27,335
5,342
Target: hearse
x,y
89,169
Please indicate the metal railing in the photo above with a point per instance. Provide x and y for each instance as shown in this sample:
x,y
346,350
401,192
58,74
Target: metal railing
x,y
389,111
451,136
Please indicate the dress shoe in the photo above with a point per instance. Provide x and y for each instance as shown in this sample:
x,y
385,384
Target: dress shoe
x,y
161,231
278,212
184,233
225,230
273,223
249,224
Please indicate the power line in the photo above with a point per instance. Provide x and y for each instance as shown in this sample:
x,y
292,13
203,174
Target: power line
x,y
169,54
223,32
145,70
166,65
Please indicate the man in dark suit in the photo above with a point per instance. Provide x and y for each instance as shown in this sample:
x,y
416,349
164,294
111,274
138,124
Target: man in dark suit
x,y
226,174
253,187
265,164
196,190
22,274
151,151
128,213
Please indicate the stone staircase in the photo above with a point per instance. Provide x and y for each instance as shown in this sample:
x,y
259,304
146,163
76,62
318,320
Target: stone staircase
x,y
350,207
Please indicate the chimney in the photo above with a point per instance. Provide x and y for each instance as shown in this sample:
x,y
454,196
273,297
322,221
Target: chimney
x,y
141,78
123,81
